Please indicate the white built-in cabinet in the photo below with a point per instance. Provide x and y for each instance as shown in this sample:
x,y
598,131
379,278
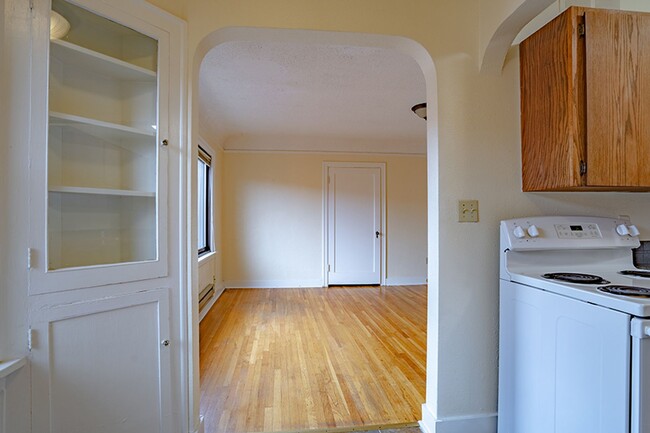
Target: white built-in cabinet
x,y
104,200
104,280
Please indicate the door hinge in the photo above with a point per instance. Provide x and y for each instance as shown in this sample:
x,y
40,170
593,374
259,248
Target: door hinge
x,y
329,268
581,29
583,168
31,4
29,258
29,339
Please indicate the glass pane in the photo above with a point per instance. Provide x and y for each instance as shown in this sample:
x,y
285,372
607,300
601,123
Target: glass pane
x,y
202,205
102,152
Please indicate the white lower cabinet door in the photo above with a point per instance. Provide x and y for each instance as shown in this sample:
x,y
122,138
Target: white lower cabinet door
x,y
102,366
564,365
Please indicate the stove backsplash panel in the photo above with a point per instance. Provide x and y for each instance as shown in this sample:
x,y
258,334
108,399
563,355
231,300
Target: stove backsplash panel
x,y
642,255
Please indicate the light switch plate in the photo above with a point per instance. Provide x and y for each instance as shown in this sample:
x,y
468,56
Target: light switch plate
x,y
468,211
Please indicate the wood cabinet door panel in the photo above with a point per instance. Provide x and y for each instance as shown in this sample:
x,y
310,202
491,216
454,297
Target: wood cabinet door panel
x,y
551,107
618,98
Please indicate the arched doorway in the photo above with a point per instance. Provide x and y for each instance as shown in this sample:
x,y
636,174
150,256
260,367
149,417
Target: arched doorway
x,y
402,45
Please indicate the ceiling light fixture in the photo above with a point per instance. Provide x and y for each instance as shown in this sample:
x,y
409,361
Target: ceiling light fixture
x,y
59,26
420,110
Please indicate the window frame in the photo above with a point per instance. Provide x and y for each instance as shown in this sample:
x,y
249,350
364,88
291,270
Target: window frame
x,y
205,157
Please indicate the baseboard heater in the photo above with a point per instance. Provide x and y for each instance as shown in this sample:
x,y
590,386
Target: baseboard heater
x,y
205,296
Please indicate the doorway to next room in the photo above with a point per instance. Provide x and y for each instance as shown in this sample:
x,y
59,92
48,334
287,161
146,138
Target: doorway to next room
x,y
323,189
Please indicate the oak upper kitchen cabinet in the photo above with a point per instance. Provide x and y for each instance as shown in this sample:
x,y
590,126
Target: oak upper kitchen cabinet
x,y
585,102
105,246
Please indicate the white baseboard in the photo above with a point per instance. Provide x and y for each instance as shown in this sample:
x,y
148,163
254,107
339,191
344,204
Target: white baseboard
x,y
406,281
201,428
482,423
286,284
428,423
217,292
273,284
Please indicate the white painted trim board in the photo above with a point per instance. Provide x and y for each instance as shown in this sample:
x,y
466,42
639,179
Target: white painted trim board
x,y
325,152
406,281
273,284
478,423
8,367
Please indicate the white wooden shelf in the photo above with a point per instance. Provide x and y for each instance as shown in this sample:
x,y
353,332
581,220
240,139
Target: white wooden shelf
x,y
8,367
75,55
98,128
101,191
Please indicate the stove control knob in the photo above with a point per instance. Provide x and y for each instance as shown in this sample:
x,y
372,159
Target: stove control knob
x,y
519,232
633,230
533,231
622,230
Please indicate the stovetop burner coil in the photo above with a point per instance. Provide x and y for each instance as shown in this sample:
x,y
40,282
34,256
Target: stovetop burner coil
x,y
636,273
625,290
572,277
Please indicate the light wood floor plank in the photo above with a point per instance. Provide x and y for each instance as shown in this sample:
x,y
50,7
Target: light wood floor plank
x,y
280,360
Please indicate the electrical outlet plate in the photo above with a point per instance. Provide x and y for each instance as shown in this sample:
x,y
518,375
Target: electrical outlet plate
x,y
468,211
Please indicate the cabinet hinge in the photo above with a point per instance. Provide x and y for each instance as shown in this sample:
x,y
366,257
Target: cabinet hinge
x,y
29,339
31,4
329,268
581,29
29,258
583,168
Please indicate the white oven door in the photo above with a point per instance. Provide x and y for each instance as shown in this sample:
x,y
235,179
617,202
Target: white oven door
x,y
640,386
564,365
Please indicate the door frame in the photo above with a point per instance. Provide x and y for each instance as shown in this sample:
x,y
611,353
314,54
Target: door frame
x,y
325,220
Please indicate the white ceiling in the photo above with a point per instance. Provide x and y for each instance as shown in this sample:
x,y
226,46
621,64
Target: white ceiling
x,y
291,96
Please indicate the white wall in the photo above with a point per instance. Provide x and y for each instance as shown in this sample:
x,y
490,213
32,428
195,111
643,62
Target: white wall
x,y
635,5
14,97
272,218
14,140
560,5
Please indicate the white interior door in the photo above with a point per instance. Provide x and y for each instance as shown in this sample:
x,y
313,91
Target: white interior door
x,y
354,224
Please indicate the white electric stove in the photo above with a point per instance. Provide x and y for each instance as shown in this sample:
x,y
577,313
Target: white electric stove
x,y
574,345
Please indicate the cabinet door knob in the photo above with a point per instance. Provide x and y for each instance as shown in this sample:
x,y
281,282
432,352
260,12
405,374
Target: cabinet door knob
x,y
165,343
164,142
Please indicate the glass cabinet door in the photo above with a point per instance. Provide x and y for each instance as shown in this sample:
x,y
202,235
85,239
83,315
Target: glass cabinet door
x,y
104,206
102,142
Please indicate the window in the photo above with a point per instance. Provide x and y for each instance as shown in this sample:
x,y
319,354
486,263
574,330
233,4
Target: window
x,y
204,212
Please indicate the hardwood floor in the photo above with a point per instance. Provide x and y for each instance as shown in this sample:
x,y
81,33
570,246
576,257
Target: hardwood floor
x,y
296,359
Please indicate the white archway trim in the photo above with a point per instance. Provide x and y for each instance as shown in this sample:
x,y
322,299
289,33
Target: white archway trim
x,y
424,60
500,25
